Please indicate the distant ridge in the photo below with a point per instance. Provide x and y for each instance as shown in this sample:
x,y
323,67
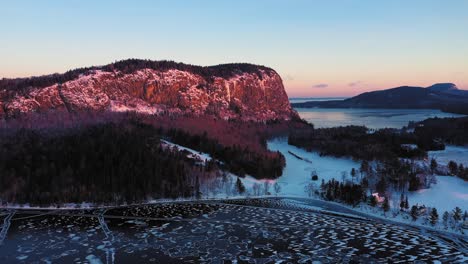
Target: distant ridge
x,y
443,96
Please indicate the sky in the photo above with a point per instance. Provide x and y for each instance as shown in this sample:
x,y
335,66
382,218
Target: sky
x,y
320,48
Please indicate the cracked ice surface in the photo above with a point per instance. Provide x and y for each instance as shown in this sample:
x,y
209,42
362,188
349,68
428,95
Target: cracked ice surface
x,y
244,230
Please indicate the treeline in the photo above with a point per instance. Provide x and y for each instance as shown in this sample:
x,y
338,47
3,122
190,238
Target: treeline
x,y
357,142
455,108
458,170
347,192
449,130
241,146
238,159
110,162
132,65
117,157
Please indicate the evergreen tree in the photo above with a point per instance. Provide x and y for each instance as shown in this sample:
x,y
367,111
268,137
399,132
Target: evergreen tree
x,y
445,218
364,167
433,165
372,200
414,182
240,186
402,202
386,205
198,193
434,216
457,214
406,203
414,212
353,174
453,167
381,185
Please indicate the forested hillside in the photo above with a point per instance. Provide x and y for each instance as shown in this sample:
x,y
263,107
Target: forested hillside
x,y
119,157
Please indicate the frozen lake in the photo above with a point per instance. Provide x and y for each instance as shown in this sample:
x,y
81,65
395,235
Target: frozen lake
x,y
224,231
372,118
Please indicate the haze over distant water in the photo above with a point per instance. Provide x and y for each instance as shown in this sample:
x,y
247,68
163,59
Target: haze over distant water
x,y
372,118
314,99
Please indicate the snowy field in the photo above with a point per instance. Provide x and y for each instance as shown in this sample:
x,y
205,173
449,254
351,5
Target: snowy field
x,y
448,193
297,173
455,153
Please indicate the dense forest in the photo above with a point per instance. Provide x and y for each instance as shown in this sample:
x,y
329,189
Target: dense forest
x,y
346,192
132,65
450,130
240,146
357,142
119,158
383,144
102,163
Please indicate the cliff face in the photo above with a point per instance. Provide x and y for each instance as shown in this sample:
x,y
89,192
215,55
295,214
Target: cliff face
x,y
246,95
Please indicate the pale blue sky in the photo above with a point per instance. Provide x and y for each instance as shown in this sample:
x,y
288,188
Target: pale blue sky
x,y
318,47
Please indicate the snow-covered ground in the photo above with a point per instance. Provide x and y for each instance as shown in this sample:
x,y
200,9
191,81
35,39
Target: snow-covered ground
x,y
194,154
448,193
297,173
455,153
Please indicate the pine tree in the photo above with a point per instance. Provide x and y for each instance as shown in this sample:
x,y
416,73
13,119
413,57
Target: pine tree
x,y
414,212
381,185
386,205
406,203
457,214
434,216
353,174
445,218
372,200
240,186
453,167
402,202
364,167
198,193
433,165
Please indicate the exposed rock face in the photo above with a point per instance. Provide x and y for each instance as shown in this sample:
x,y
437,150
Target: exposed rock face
x,y
257,96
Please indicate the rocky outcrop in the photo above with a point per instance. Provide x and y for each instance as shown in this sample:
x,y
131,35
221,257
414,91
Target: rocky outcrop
x,y
228,92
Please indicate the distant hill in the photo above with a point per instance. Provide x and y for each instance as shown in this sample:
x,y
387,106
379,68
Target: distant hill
x,y
444,96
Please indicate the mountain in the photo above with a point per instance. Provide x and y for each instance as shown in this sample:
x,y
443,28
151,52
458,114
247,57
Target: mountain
x,y
443,96
230,91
